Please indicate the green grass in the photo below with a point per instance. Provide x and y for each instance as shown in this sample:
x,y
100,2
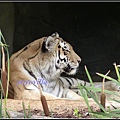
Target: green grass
x,y
85,92
76,113
5,47
27,113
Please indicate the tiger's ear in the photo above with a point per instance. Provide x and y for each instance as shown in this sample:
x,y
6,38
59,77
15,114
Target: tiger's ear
x,y
49,43
55,35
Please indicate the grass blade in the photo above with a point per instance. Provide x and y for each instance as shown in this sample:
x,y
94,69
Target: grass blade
x,y
90,79
109,78
29,112
24,110
106,115
117,72
84,95
92,96
114,100
8,69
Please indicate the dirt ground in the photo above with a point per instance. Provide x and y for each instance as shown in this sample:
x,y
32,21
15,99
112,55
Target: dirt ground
x,y
57,108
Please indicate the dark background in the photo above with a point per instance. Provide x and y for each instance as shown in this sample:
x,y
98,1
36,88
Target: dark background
x,y
92,28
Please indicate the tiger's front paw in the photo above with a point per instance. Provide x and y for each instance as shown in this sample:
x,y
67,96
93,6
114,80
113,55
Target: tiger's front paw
x,y
110,85
115,86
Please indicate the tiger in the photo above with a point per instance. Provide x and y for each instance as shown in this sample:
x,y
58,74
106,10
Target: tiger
x,y
39,65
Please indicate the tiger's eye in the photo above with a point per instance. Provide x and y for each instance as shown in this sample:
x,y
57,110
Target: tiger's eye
x,y
65,47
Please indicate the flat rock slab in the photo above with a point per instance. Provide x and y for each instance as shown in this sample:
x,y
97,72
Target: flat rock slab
x,y
57,108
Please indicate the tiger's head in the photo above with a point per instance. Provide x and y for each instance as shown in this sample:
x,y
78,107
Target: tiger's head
x,y
62,57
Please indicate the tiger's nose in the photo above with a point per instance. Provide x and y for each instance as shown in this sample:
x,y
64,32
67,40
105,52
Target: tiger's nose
x,y
79,61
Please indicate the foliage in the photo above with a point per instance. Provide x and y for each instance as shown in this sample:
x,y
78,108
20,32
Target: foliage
x,y
86,91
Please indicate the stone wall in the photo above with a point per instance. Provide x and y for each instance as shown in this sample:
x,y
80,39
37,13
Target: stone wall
x,y
93,29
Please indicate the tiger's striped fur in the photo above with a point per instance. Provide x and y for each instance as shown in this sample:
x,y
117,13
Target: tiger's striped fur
x,y
45,58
